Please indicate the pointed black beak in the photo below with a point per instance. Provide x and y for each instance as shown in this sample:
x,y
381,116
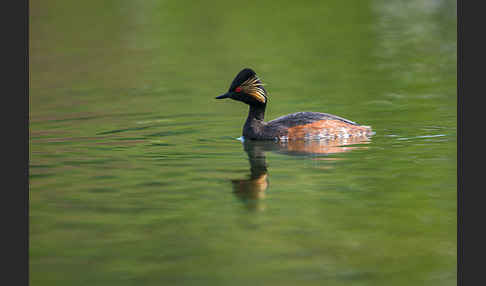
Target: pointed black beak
x,y
226,95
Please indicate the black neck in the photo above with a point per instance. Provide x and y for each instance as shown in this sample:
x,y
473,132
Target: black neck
x,y
254,124
257,112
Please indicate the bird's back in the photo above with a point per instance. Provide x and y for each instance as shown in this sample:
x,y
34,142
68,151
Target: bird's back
x,y
315,125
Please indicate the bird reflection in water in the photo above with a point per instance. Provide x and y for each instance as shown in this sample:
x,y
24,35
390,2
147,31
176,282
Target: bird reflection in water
x,y
251,190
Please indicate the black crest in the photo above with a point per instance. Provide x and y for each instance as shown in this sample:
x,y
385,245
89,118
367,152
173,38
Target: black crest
x,y
247,82
241,77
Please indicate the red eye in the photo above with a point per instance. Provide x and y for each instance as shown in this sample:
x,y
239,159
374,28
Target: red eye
x,y
238,89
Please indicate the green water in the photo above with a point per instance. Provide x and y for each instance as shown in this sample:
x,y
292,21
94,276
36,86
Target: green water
x,y
137,176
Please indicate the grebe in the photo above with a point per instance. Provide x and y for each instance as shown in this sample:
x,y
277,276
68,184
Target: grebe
x,y
248,88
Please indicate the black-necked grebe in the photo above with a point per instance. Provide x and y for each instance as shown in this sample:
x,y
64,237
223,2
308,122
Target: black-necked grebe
x,y
248,88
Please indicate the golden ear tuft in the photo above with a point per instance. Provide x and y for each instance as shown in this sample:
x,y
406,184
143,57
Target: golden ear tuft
x,y
252,87
259,95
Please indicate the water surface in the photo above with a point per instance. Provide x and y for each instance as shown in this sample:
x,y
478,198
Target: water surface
x,y
137,176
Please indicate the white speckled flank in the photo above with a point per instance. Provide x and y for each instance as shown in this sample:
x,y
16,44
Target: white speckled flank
x,y
342,133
